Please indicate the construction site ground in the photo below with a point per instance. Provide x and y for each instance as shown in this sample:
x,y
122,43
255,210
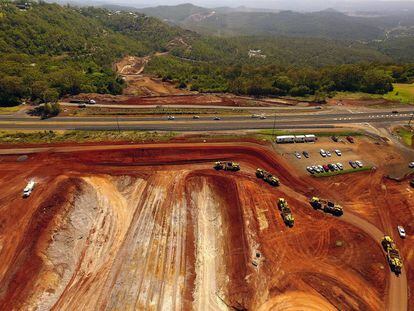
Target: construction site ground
x,y
153,226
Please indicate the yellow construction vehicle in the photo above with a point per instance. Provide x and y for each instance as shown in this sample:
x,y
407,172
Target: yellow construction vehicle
x,y
286,213
394,260
227,166
387,242
393,255
267,177
326,206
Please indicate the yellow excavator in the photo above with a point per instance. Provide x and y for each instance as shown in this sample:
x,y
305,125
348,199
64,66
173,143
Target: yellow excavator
x,y
227,166
267,177
393,255
327,206
285,212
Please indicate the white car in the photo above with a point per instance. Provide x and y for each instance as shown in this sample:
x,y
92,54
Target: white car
x,y
297,154
328,153
171,118
340,166
27,191
401,231
320,168
322,152
359,163
262,117
338,152
196,117
217,118
310,170
411,165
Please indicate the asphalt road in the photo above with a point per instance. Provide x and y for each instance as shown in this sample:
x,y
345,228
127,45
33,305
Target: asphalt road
x,y
281,121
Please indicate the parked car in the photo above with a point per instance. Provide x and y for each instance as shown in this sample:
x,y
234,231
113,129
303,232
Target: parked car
x,y
394,111
411,165
328,153
305,154
320,168
310,170
171,118
217,118
353,164
350,139
334,138
325,167
331,167
315,168
359,163
196,117
297,154
340,166
336,168
338,152
322,152
262,117
255,116
401,232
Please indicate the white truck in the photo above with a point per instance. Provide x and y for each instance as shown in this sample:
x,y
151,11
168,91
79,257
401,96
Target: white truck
x,y
28,189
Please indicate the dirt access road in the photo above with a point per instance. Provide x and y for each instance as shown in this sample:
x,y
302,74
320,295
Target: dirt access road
x,y
155,227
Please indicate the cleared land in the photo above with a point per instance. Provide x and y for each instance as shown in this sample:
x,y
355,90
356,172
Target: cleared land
x,y
155,227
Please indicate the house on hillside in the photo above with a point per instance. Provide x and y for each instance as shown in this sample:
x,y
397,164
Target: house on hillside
x,y
256,53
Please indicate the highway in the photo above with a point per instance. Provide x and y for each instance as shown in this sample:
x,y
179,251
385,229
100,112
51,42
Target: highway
x,y
204,123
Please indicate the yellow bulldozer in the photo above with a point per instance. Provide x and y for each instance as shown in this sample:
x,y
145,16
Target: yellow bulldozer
x,y
393,255
267,177
285,212
227,166
327,206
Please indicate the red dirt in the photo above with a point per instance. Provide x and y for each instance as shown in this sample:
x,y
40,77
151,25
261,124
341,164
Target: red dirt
x,y
154,226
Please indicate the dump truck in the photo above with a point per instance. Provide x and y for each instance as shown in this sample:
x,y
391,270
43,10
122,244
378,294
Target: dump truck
x,y
327,206
394,260
285,212
227,166
267,177
393,255
27,191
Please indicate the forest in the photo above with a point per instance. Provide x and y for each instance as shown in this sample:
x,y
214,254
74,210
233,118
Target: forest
x,y
49,51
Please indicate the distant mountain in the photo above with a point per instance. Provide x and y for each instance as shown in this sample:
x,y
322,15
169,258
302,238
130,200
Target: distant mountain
x,y
329,23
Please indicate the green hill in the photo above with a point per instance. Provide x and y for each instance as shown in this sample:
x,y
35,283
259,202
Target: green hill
x,y
48,51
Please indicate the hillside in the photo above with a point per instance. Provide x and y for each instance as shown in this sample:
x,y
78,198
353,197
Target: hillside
x,y
328,24
49,51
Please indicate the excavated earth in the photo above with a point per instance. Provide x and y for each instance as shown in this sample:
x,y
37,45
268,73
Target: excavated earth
x,y
151,227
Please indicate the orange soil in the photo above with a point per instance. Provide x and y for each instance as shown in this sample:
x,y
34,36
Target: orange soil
x,y
154,226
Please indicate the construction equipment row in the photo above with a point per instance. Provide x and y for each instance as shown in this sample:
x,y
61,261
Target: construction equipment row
x,y
393,255
267,177
285,212
227,166
326,206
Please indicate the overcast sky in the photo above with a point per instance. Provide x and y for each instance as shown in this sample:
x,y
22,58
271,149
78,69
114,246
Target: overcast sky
x,y
274,4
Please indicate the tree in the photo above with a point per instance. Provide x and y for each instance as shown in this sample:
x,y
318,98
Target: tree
x,y
377,82
283,83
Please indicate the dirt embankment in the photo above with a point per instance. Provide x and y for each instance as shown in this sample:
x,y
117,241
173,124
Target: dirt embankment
x,y
156,227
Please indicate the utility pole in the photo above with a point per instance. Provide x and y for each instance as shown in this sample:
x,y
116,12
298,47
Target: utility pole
x,y
274,125
117,123
411,119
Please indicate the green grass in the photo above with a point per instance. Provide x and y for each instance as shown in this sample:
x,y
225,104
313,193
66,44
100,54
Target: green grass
x,y
403,93
83,136
347,171
8,110
406,135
